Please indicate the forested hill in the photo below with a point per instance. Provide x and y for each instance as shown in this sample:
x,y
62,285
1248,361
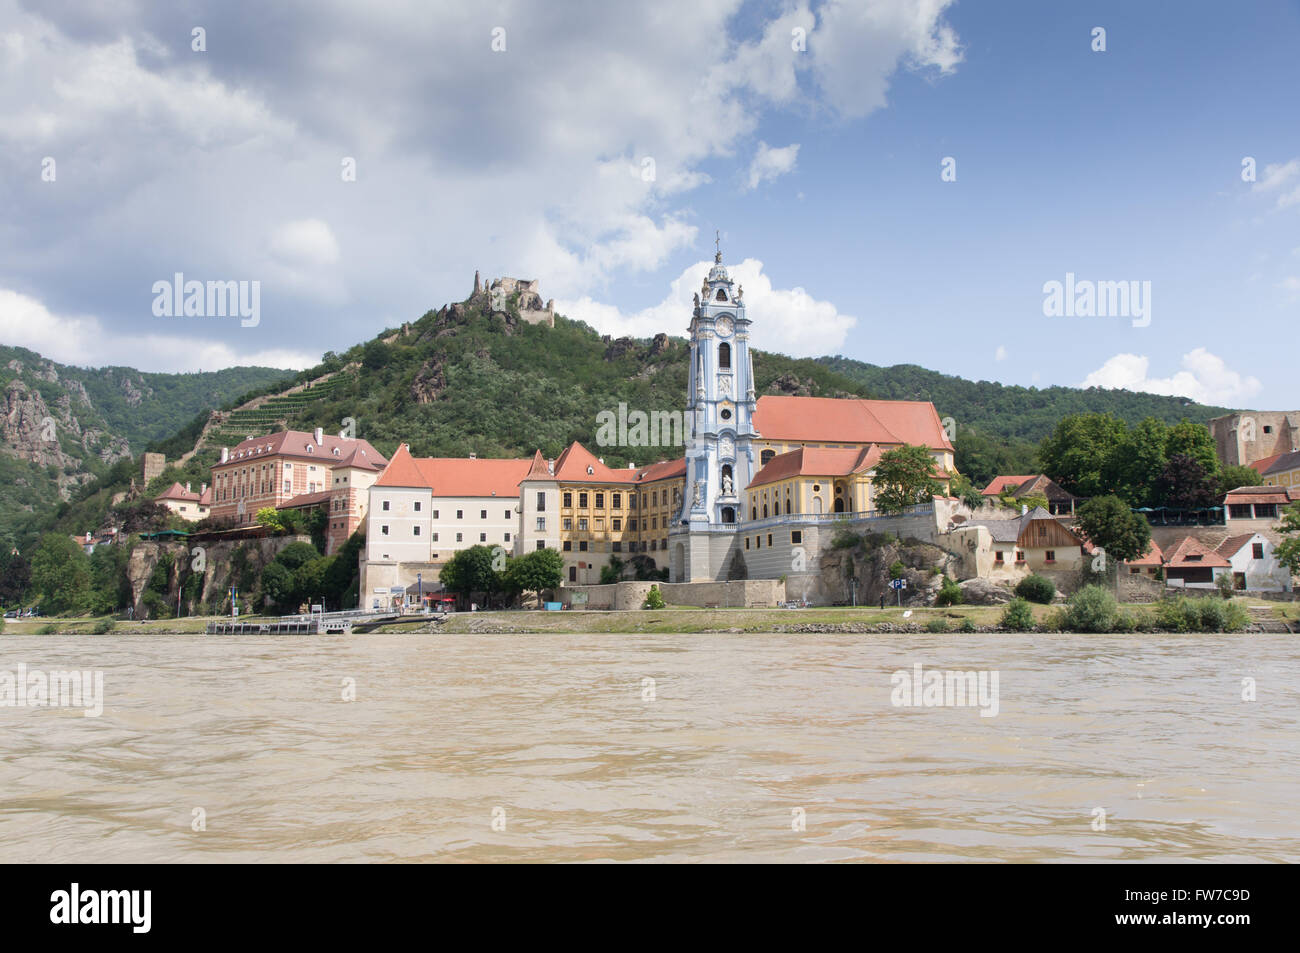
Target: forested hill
x,y
63,426
999,426
466,379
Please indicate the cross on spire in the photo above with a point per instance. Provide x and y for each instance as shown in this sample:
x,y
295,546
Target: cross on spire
x,y
717,244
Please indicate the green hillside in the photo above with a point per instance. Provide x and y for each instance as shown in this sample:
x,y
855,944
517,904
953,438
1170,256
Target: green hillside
x,y
65,427
464,380
999,426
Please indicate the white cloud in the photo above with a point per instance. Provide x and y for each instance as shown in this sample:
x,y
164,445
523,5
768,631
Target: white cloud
x,y
81,340
307,243
771,163
1279,177
1204,378
790,321
1001,353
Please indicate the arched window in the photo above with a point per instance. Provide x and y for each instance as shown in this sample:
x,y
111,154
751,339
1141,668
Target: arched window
x,y
724,356
728,515
721,295
765,456
776,507
764,511
839,504
753,512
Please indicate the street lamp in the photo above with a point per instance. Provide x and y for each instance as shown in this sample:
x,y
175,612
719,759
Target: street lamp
x,y
419,590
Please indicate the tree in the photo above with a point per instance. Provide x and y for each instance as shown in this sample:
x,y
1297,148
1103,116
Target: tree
x,y
269,517
654,599
15,575
1288,551
1195,441
1136,462
1234,476
904,477
967,492
535,571
60,574
1076,453
1185,484
1108,522
471,570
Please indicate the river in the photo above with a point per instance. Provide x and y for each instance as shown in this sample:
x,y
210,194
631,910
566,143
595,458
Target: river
x,y
654,748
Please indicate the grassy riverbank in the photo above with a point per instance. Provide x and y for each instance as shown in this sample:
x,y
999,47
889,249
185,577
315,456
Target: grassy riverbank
x,y
674,619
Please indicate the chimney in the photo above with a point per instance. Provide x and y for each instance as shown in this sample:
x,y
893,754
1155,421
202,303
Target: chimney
x,y
631,465
203,488
187,486
225,454
473,456
1024,508
601,461
320,436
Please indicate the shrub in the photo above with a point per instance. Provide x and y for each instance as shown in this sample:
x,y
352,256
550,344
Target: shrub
x,y
937,625
653,599
1091,609
897,570
1125,622
104,626
48,629
1018,616
1188,614
845,539
949,593
1036,588
1225,585
967,625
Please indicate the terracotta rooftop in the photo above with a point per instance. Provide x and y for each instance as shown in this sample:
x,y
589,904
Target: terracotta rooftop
x,y
1258,494
1263,463
178,492
304,499
456,476
850,420
1283,462
1154,556
1037,484
1191,553
1233,545
301,445
817,461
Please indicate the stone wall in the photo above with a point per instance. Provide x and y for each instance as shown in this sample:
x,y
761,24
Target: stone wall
x,y
748,593
1139,587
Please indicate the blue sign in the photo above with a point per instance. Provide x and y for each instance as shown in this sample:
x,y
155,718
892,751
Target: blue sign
x,y
898,584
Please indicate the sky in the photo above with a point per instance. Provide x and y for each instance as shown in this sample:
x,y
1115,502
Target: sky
x,y
897,181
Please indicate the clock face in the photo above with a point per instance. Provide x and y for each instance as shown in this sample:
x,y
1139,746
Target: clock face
x,y
724,325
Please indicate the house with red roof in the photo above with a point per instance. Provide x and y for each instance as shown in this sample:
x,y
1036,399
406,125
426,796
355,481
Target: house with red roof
x,y
1060,502
293,469
1194,565
185,503
1254,564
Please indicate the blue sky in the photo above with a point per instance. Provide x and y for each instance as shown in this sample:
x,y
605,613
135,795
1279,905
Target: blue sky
x,y
821,168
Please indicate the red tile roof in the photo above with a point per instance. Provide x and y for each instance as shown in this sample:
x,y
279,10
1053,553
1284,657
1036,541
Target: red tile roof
x,y
1191,553
817,461
573,464
1257,494
1233,545
304,499
1154,556
300,445
1283,462
178,492
456,476
1262,464
851,420
1002,482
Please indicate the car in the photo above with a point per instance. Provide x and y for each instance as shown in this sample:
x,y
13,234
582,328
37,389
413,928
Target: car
x,y
11,614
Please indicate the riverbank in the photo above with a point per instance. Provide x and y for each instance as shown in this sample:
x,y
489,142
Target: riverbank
x,y
679,620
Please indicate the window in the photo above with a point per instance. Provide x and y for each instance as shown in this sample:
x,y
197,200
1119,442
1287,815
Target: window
x,y
796,537
582,545
582,524
417,506
507,537
726,414
631,526
1051,555
568,500
566,546
573,574
617,501
616,524
435,537
482,537
460,514
724,356
482,514
415,531
541,524
582,501
541,503
769,539
600,500
383,530
1265,511
1020,556
618,547
541,544
1042,531
505,515
747,542
758,542
1256,550
460,537
567,524
435,514
288,488
997,556
1239,511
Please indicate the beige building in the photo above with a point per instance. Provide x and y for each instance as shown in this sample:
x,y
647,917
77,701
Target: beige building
x,y
1243,438
185,503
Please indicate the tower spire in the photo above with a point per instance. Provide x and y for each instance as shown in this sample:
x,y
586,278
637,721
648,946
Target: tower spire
x,y
717,244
